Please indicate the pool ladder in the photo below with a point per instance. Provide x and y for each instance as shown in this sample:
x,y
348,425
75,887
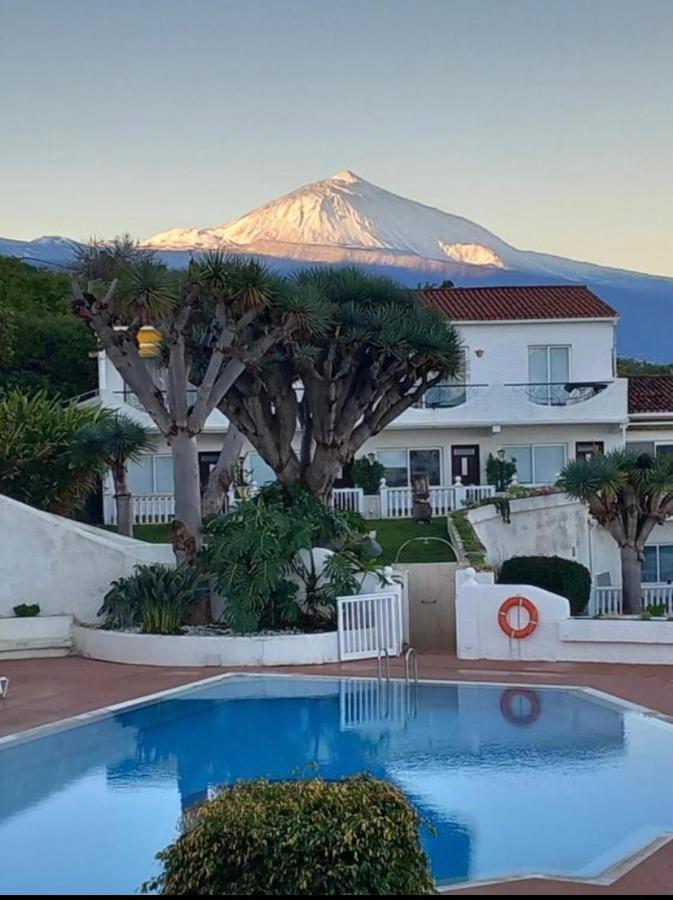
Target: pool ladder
x,y
409,657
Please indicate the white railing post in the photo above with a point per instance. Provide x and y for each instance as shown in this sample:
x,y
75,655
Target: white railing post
x,y
383,492
460,492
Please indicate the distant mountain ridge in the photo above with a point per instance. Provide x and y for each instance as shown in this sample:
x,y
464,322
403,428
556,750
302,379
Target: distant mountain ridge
x,y
347,220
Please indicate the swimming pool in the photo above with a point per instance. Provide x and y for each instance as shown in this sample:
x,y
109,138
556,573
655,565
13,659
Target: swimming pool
x,y
514,780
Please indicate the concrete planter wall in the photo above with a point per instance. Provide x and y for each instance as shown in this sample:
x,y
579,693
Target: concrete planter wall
x,y
194,650
35,636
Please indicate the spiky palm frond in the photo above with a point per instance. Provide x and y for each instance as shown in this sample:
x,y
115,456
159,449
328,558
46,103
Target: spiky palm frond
x,y
305,311
147,290
115,438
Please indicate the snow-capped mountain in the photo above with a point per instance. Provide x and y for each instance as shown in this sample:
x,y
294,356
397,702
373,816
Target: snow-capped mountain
x,y
345,219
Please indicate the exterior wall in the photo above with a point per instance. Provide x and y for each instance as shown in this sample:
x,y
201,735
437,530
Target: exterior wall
x,y
504,359
490,442
64,566
554,525
557,637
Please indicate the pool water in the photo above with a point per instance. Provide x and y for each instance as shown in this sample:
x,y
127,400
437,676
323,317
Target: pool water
x,y
513,781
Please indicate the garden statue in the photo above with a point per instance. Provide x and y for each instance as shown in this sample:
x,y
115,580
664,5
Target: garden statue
x,y
422,509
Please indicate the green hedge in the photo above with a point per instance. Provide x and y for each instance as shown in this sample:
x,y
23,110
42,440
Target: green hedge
x,y
358,836
560,576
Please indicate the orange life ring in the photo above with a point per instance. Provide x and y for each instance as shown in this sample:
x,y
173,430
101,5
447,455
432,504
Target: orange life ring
x,y
508,713
522,603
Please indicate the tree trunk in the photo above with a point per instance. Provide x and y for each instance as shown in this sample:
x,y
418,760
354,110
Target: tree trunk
x,y
124,503
222,473
187,538
631,580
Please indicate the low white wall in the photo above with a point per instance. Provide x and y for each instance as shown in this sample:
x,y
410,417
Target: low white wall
x,y
558,637
550,525
33,636
186,650
63,565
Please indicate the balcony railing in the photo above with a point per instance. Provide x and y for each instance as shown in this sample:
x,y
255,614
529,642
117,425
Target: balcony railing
x,y
607,601
446,396
131,399
560,393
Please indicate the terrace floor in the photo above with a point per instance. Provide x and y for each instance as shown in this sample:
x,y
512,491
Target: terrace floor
x,y
46,690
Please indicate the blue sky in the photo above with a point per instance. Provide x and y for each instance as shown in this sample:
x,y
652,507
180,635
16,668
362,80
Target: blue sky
x,y
548,121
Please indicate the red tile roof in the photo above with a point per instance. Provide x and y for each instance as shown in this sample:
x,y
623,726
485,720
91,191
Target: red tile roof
x,y
650,393
484,304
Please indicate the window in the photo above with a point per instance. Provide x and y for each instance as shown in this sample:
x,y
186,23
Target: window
x,y
639,447
401,465
152,475
658,564
537,463
548,373
664,450
588,449
453,391
260,471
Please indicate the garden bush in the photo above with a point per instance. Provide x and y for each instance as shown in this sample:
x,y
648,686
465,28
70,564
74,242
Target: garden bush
x,y
561,576
358,836
155,597
252,557
367,474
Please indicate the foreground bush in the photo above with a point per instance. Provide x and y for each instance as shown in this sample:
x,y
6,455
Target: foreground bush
x,y
566,577
358,836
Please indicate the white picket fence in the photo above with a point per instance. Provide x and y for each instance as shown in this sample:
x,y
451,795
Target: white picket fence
x,y
154,509
607,601
368,624
397,502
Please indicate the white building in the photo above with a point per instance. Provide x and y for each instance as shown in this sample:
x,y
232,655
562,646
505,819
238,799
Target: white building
x,y
539,386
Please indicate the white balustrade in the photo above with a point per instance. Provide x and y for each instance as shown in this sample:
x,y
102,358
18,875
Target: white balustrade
x,y
607,601
348,499
397,502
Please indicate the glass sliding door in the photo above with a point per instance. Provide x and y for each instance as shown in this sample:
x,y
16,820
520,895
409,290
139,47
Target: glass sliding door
x,y
426,462
548,374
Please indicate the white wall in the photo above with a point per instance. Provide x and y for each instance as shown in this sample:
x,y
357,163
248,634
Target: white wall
x,y
64,566
558,637
554,525
504,359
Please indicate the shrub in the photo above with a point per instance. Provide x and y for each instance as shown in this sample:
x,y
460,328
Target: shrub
x,y
252,555
353,837
367,474
27,610
500,472
138,599
39,464
566,577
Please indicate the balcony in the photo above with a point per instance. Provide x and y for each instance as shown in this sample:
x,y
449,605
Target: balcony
x,y
561,393
488,405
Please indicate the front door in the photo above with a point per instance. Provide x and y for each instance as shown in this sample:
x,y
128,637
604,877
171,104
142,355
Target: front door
x,y
465,462
207,462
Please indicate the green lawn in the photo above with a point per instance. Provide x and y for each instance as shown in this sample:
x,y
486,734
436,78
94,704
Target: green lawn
x,y
391,534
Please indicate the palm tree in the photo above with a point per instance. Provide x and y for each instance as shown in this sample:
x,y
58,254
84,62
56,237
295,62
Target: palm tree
x,y
116,440
628,495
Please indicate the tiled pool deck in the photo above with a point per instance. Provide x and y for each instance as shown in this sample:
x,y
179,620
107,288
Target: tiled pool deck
x,y
46,690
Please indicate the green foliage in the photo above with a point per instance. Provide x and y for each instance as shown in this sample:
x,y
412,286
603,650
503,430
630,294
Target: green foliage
x,y
656,610
613,483
354,837
474,549
38,462
561,576
500,472
7,336
367,474
154,597
116,439
627,367
251,553
50,346
27,610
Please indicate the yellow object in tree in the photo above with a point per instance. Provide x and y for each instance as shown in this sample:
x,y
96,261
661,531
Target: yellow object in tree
x,y
148,341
